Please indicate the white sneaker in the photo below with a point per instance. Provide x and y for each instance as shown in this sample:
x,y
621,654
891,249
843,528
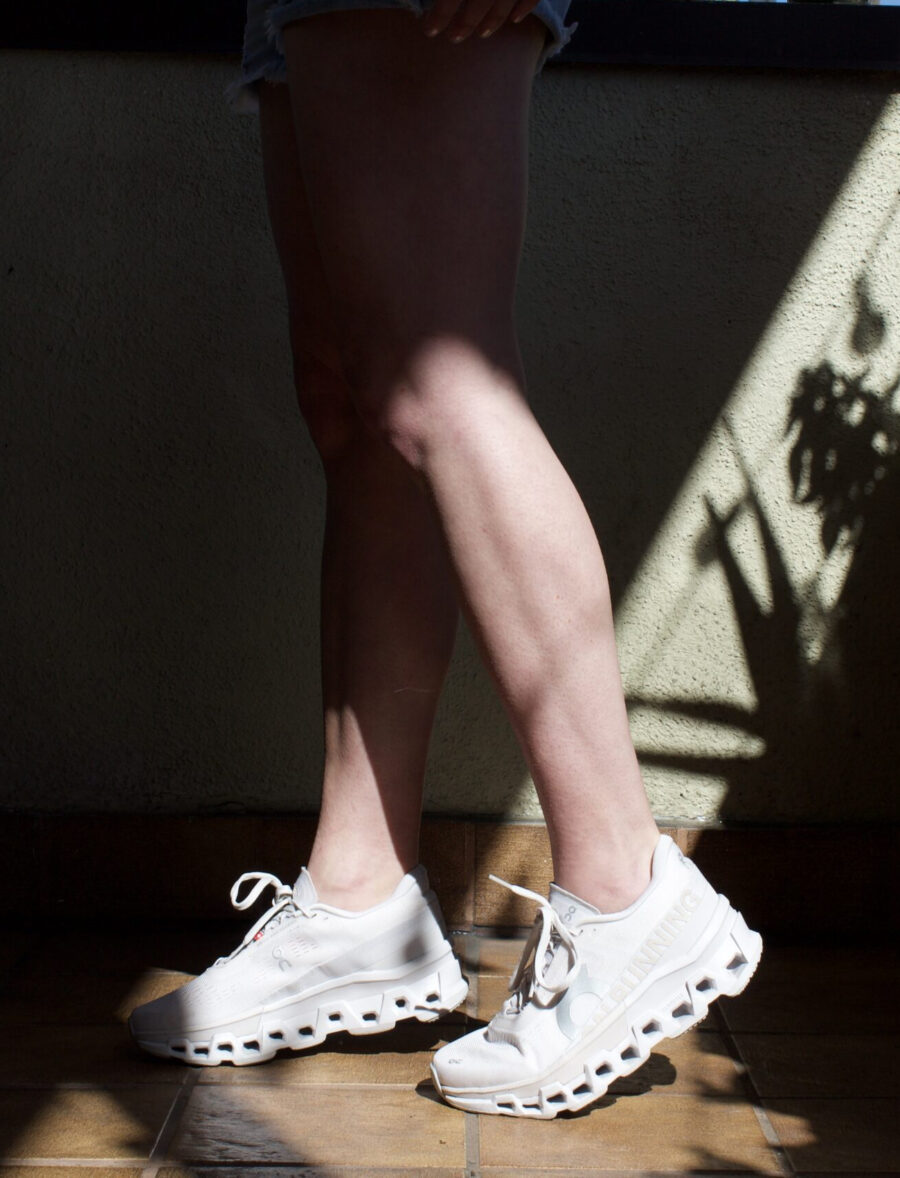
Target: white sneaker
x,y
594,993
306,970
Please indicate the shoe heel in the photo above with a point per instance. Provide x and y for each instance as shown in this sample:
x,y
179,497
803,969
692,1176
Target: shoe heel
x,y
747,950
728,966
441,991
424,994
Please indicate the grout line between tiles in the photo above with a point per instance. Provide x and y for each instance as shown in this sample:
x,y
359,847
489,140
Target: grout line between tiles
x,y
472,1120
340,1085
473,975
755,1100
286,1170
469,859
159,1152
78,1085
768,1131
473,1145
52,1164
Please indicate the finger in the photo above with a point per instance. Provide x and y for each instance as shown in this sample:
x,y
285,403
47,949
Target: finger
x,y
497,16
468,18
522,9
439,16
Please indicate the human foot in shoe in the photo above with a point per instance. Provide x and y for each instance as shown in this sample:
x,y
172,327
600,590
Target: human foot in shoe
x,y
595,992
306,970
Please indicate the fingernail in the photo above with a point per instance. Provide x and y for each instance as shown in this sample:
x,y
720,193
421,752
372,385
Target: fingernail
x,y
487,32
457,37
431,32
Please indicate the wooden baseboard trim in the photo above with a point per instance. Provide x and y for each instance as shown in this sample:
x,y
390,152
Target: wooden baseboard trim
x,y
793,881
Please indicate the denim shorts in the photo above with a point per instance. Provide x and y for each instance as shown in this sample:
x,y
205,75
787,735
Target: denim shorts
x,y
263,55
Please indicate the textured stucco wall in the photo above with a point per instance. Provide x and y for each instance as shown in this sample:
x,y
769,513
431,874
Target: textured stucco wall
x,y
697,240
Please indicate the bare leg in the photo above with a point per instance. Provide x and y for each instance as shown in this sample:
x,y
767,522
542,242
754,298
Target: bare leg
x,y
388,602
415,166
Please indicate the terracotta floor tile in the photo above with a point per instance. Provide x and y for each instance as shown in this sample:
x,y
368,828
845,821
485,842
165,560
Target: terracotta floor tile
x,y
22,882
838,1135
502,851
152,983
696,1063
822,1065
338,1125
467,947
127,950
85,999
107,971
83,1123
71,1172
551,1171
693,1113
96,1056
818,879
447,849
401,1056
799,988
492,993
210,857
500,955
634,1133
106,977
14,950
310,1172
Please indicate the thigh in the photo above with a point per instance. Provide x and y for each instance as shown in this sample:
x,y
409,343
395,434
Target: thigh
x,y
322,392
309,304
414,156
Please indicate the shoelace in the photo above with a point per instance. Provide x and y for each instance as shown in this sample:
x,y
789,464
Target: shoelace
x,y
282,906
547,934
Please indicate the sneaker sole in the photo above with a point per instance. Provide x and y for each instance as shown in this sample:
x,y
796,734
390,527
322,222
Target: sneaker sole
x,y
364,1006
670,1006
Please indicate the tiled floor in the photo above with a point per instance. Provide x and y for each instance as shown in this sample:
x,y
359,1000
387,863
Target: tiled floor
x,y
796,1076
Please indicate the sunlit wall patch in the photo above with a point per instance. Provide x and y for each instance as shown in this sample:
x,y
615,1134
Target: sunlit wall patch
x,y
728,630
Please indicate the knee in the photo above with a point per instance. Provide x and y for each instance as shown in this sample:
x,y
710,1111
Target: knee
x,y
429,395
395,412
353,452
325,403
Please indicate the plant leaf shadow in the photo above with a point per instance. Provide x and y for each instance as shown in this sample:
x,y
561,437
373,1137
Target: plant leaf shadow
x,y
824,669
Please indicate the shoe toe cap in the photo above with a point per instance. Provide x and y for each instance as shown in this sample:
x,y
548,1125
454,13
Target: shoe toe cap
x,y
163,1016
474,1062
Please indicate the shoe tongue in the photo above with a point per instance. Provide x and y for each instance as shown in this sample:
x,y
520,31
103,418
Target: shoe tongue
x,y
304,890
570,910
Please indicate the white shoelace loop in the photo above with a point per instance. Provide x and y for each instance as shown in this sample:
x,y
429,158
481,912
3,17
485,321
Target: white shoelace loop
x,y
547,933
282,905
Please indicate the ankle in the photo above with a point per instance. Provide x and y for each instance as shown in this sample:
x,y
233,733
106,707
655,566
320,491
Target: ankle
x,y
613,877
354,891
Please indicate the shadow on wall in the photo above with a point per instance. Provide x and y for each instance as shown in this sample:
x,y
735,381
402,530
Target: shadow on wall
x,y
160,609
159,622
823,660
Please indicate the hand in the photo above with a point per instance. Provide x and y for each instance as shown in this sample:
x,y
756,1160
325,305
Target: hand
x,y
459,19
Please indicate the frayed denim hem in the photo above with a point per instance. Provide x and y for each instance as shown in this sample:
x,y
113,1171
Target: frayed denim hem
x,y
263,58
